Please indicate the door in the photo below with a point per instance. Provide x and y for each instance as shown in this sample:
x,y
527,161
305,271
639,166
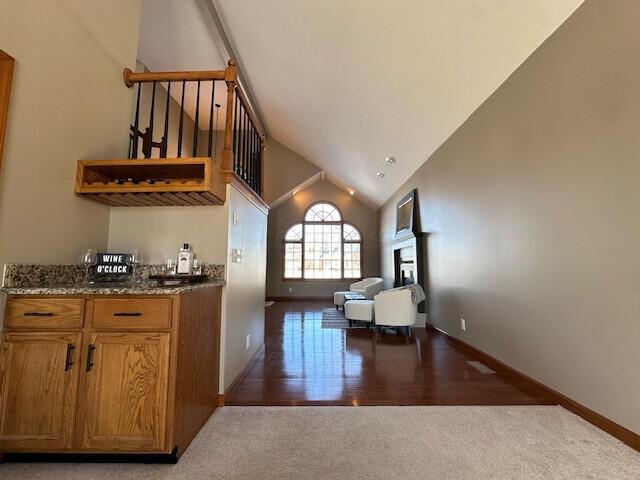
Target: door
x,y
38,390
124,393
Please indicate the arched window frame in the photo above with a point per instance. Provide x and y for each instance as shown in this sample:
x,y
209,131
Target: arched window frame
x,y
298,245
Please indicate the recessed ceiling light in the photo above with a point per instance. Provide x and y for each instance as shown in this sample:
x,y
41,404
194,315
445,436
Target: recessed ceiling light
x,y
351,192
294,192
390,161
380,175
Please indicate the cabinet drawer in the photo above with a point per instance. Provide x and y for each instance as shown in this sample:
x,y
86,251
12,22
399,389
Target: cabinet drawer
x,y
44,313
132,313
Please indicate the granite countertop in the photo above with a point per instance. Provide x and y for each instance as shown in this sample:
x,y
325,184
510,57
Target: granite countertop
x,y
142,289
40,279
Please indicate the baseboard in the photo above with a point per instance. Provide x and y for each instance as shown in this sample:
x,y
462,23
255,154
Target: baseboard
x,y
285,299
243,373
612,428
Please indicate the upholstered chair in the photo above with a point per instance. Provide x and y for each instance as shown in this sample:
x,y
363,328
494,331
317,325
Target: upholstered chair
x,y
395,308
369,287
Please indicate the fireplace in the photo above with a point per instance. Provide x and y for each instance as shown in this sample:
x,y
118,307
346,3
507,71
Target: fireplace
x,y
408,247
405,261
408,262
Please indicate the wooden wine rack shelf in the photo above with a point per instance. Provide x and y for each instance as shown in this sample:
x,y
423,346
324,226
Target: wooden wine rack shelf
x,y
192,181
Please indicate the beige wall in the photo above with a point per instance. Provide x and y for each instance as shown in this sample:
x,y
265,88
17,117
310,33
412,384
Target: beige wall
x,y
533,214
159,232
68,103
245,290
292,211
284,170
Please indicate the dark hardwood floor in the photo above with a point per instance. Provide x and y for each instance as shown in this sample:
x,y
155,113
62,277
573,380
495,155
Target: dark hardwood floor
x,y
304,364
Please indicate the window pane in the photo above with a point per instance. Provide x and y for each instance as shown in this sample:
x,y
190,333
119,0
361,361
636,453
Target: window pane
x,y
350,233
352,260
322,251
323,212
293,260
294,233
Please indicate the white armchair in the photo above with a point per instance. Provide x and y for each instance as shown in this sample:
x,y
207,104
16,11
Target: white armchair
x,y
369,287
395,308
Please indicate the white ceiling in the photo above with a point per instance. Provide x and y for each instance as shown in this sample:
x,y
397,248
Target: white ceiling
x,y
346,82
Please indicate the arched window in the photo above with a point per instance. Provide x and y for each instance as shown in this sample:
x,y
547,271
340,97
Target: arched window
x,y
322,246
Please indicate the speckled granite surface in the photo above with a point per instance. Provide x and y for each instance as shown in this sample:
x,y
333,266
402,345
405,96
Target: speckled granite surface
x,y
141,289
69,280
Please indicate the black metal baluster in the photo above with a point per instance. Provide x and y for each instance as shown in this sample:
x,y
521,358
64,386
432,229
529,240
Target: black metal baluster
x,y
236,135
240,140
134,147
242,119
147,144
255,159
213,91
258,166
252,169
179,153
165,135
249,152
248,173
195,128
245,158
242,130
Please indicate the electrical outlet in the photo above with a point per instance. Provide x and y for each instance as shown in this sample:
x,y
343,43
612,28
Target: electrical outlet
x,y
247,342
235,219
463,324
290,289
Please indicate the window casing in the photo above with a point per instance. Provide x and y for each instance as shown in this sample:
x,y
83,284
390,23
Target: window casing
x,y
322,246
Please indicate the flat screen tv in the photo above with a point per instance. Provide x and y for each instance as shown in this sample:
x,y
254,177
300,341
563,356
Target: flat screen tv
x,y
405,213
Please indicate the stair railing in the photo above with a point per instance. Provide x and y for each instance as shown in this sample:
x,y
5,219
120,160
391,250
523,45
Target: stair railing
x,y
243,141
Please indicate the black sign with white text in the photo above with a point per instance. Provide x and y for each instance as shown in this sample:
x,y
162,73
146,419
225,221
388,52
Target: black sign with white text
x,y
112,266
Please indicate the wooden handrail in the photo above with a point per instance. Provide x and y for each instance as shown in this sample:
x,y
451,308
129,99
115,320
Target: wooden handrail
x,y
131,77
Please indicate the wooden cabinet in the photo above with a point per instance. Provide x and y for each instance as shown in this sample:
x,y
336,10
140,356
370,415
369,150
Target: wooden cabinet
x,y
124,393
38,388
108,374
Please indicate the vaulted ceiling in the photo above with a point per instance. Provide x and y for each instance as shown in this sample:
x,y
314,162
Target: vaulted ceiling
x,y
347,82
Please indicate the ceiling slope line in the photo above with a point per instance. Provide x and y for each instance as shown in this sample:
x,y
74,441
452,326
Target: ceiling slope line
x,y
212,9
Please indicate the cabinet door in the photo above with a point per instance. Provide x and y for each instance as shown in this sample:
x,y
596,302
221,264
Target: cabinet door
x,y
38,390
124,393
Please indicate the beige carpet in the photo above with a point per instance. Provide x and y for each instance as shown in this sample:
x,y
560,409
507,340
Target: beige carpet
x,y
398,443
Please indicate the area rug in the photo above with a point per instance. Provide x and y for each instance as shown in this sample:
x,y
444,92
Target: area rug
x,y
404,443
332,318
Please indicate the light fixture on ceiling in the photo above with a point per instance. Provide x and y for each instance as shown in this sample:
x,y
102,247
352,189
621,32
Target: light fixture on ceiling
x,y
390,161
380,175
352,192
293,194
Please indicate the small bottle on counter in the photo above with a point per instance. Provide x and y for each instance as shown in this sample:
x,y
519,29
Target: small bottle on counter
x,y
185,259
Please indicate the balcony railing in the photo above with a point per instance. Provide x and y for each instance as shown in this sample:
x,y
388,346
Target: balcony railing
x,y
166,101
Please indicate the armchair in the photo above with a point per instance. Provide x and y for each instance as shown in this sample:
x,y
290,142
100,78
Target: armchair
x,y
395,308
369,287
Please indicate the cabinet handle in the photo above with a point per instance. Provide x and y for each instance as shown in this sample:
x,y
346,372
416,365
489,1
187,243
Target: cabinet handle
x,y
39,314
127,314
90,357
68,363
